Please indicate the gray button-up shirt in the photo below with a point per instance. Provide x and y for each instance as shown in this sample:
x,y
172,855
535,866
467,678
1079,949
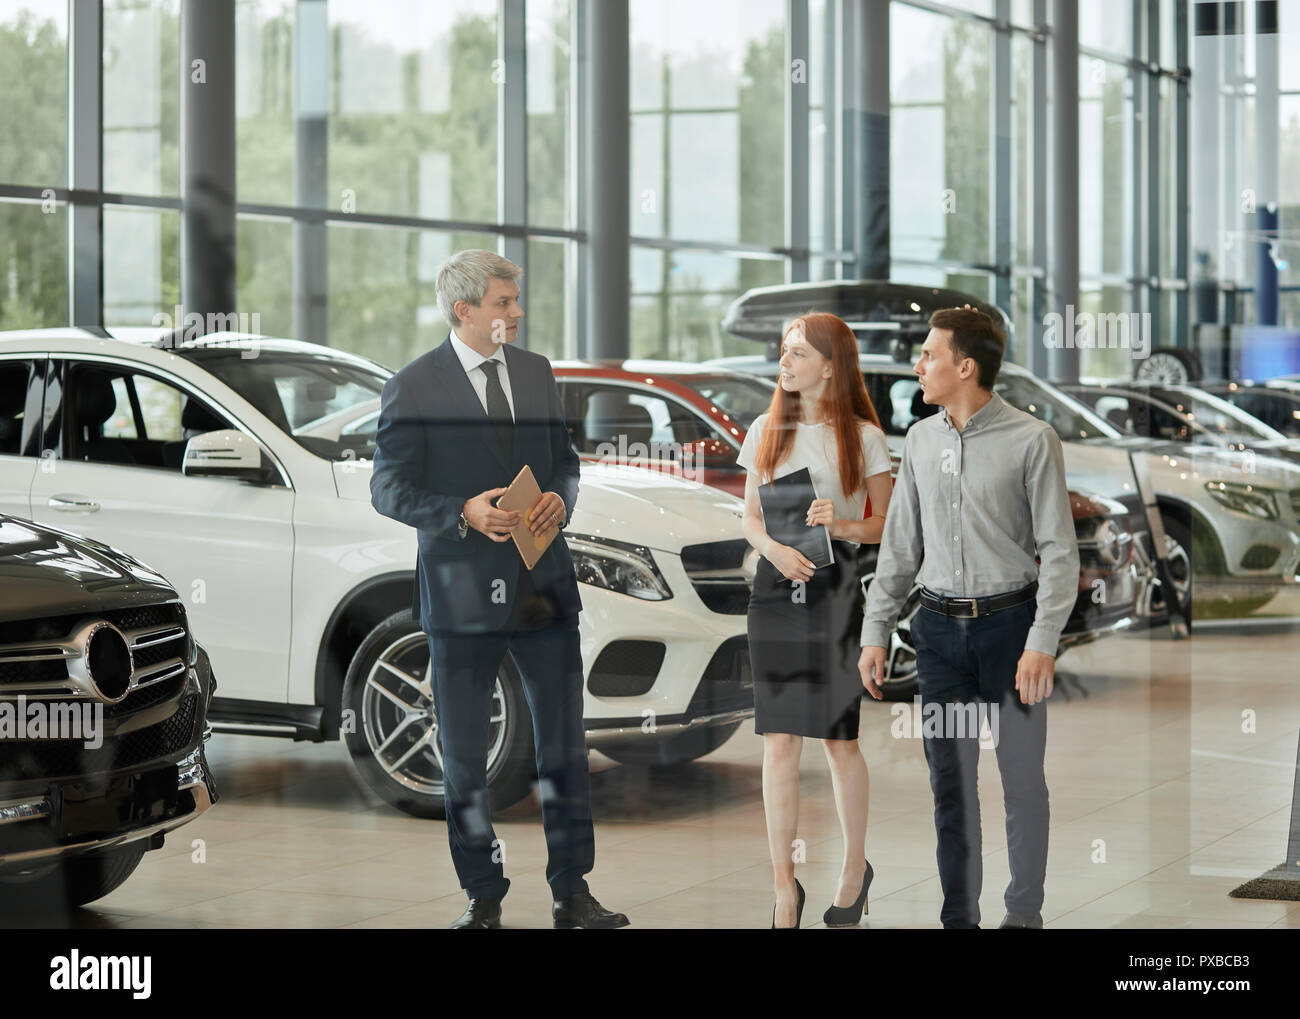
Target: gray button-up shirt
x,y
980,503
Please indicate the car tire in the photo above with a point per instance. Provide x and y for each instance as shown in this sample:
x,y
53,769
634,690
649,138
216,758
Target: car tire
x,y
74,882
1169,364
1178,550
396,750
900,683
651,750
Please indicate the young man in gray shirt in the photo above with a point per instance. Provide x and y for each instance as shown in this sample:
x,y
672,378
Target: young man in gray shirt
x,y
980,516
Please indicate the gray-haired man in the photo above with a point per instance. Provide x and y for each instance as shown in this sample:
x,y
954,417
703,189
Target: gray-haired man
x,y
456,425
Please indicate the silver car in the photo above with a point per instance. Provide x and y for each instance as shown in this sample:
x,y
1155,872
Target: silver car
x,y
1238,508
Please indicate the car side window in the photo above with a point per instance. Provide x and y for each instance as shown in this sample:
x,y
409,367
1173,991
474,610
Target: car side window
x,y
1115,409
1169,425
906,407
121,422
625,419
21,385
117,415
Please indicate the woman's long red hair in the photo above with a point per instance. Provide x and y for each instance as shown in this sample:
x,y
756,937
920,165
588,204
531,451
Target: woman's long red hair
x,y
844,405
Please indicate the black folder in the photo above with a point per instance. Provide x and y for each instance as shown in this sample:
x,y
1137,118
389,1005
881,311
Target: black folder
x,y
785,504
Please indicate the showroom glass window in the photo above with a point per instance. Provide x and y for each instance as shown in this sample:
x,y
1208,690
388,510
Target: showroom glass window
x,y
706,90
270,106
1106,201
141,99
33,124
940,199
679,298
417,82
939,139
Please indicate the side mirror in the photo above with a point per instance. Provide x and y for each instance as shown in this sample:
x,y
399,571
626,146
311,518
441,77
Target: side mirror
x,y
225,453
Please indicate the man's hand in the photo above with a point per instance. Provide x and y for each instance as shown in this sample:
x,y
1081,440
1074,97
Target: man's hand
x,y
871,664
1034,674
546,512
487,519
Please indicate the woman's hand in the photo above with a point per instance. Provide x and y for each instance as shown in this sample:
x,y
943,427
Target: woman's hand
x,y
821,511
790,562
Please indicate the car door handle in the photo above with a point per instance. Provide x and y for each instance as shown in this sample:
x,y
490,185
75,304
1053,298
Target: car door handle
x,y
73,504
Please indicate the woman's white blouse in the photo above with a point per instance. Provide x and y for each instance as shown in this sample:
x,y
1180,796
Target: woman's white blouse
x,y
815,448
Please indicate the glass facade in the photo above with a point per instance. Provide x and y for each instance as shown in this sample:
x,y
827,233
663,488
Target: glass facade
x,y
374,138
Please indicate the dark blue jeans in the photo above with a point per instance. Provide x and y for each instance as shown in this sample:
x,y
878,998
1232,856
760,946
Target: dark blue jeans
x,y
549,659
973,661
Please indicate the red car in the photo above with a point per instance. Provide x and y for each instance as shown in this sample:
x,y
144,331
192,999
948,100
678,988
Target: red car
x,y
663,415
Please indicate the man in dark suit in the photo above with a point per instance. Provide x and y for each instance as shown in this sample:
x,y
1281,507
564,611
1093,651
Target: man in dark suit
x,y
456,426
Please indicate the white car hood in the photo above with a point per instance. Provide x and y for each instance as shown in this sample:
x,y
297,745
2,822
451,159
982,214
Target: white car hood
x,y
651,508
631,504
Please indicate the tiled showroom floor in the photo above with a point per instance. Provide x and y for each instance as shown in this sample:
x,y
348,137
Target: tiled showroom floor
x,y
1147,759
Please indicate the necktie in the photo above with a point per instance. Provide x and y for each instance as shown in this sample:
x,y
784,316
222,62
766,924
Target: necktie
x,y
498,406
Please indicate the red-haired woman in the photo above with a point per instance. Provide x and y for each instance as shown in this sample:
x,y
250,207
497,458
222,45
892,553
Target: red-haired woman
x,y
804,622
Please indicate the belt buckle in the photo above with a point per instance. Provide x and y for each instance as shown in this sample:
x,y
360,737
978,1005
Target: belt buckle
x,y
974,608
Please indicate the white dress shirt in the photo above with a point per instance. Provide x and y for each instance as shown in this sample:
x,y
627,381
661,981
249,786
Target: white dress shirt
x,y
471,359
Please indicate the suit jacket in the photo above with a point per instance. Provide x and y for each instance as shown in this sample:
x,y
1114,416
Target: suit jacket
x,y
435,447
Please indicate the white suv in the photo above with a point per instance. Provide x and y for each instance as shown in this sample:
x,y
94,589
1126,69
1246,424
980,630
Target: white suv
x,y
238,467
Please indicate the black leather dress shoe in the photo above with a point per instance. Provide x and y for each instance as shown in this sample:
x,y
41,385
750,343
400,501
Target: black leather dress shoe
x,y
583,911
479,915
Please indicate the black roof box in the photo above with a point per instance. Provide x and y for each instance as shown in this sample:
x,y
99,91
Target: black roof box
x,y
883,315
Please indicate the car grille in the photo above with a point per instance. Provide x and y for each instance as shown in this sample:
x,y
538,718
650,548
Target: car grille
x,y
34,663
34,654
727,684
36,759
717,572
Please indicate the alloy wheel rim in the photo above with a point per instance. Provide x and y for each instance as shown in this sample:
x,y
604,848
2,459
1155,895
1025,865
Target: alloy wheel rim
x,y
900,656
400,724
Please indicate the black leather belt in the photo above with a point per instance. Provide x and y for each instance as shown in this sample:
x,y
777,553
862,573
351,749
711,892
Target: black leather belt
x,y
972,608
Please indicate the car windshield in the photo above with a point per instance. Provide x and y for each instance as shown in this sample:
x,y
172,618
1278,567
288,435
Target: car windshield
x,y
1218,417
1072,421
1276,408
741,399
329,405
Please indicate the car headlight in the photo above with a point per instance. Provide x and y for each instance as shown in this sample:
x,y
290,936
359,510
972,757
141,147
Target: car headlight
x,y
617,566
1251,499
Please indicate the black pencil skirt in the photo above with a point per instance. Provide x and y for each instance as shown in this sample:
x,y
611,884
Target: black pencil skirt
x,y
804,651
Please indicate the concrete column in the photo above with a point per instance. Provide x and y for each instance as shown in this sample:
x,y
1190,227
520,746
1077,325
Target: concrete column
x,y
1063,362
605,150
311,104
208,157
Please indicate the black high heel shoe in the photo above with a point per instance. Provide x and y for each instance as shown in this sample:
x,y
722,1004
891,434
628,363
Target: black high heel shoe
x,y
798,913
849,916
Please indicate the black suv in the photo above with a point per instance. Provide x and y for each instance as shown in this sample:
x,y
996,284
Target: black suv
x,y
103,717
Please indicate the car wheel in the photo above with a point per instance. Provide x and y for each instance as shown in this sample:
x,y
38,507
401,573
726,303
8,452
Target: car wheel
x,y
675,749
392,731
74,882
1170,366
1178,552
900,682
